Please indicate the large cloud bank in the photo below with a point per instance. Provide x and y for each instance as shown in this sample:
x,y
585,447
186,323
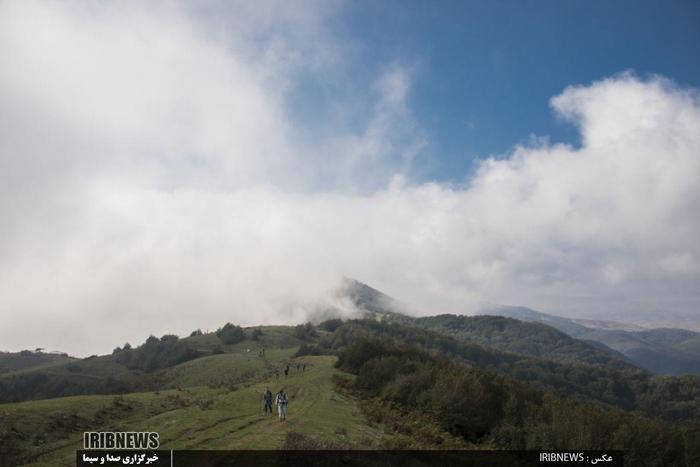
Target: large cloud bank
x,y
154,177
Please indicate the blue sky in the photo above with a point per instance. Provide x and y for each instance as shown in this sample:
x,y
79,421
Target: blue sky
x,y
484,71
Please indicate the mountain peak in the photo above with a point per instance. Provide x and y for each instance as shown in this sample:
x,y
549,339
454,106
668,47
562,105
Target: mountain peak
x,y
368,299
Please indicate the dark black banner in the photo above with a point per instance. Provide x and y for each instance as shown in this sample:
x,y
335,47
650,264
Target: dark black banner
x,y
163,458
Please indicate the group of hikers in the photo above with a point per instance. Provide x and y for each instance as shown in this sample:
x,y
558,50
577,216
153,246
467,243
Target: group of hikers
x,y
300,367
280,399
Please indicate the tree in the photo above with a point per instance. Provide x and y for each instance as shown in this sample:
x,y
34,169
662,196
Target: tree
x,y
230,334
305,331
331,325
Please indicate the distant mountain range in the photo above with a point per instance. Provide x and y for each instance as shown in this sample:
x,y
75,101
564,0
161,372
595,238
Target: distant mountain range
x,y
663,351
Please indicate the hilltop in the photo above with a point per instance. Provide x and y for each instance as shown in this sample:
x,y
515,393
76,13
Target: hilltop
x,y
27,359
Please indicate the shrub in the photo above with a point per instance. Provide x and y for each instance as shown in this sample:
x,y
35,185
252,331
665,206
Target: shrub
x,y
305,331
310,349
468,403
355,355
331,325
374,374
230,334
157,353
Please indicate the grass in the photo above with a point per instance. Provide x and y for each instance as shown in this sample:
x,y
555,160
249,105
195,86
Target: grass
x,y
212,402
211,416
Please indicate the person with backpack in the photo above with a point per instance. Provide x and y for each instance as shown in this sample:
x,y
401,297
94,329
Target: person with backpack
x,y
267,401
281,403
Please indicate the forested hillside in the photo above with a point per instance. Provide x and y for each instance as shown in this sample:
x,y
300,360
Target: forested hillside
x,y
661,351
533,339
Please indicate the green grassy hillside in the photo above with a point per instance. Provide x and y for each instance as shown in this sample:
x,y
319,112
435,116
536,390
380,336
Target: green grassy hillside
x,y
212,402
110,374
196,416
11,362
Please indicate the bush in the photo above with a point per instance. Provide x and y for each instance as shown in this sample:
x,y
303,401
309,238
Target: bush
x,y
468,403
353,357
157,353
374,374
331,325
305,331
196,332
230,334
410,388
311,349
255,335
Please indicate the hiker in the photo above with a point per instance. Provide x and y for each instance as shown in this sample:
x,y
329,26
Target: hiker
x,y
281,403
303,367
286,371
277,373
298,367
267,401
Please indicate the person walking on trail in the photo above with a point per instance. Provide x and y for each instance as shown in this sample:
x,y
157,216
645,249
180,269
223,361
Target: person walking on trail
x,y
286,371
303,367
267,401
281,403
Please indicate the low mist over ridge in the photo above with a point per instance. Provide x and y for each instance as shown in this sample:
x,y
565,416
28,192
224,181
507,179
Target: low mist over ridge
x,y
659,351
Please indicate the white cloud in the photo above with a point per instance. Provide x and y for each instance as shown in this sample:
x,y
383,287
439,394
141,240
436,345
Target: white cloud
x,y
153,178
